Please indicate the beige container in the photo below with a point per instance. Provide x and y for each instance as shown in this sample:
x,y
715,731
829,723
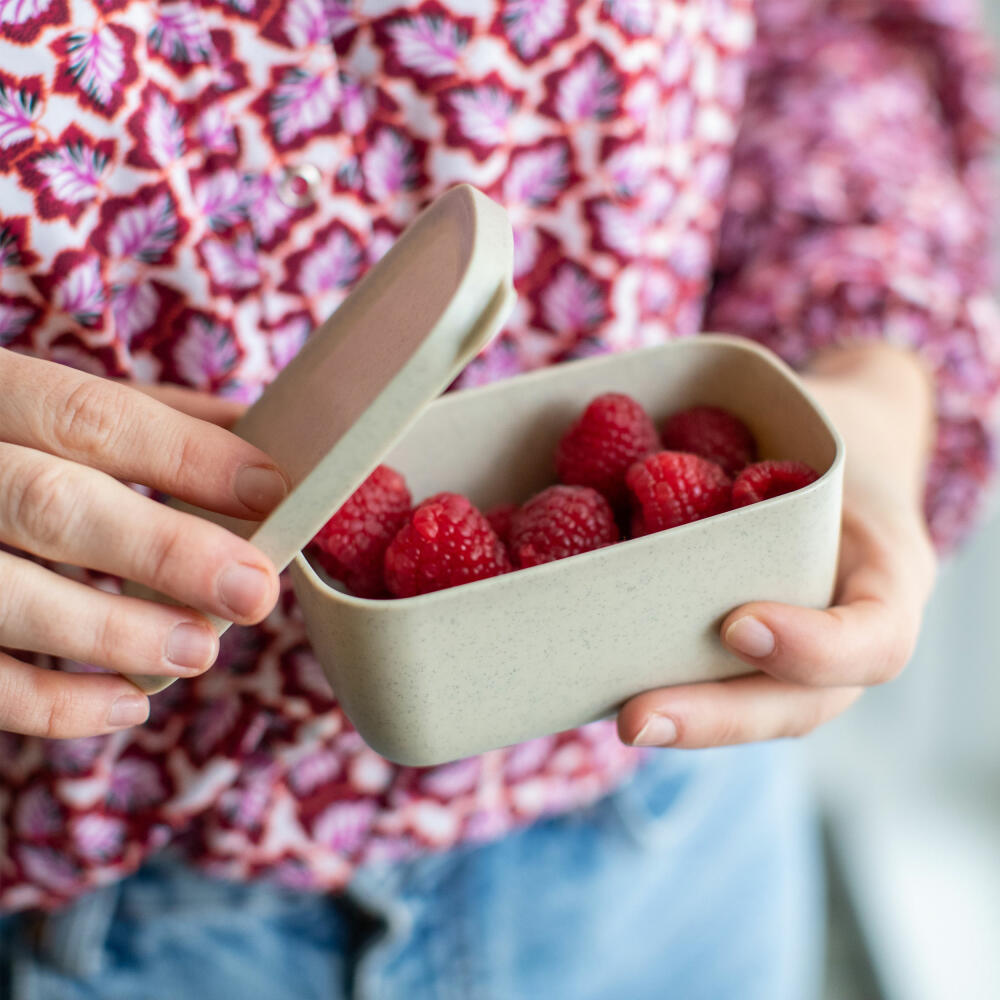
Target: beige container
x,y
446,675
433,678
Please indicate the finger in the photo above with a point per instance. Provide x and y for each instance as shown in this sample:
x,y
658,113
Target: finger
x,y
39,702
131,436
69,513
202,405
742,710
47,613
865,642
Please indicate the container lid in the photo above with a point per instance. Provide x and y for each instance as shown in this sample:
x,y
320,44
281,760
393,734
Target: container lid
x,y
418,316
439,295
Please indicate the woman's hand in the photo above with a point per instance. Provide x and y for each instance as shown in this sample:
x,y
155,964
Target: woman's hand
x,y
66,439
813,664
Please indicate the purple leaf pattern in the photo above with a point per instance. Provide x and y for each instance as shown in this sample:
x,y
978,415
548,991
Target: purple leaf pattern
x,y
636,17
303,102
22,11
206,352
222,197
73,171
13,321
334,263
164,131
98,837
574,301
134,784
133,308
37,815
537,176
232,264
180,33
428,44
18,110
145,232
389,165
589,89
483,113
531,24
81,292
343,826
96,63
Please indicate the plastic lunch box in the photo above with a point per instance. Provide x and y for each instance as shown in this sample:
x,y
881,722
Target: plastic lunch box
x,y
445,675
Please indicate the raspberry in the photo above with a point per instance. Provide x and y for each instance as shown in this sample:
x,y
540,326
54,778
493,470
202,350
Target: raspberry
x,y
559,522
714,434
770,479
672,488
613,432
351,545
499,518
445,542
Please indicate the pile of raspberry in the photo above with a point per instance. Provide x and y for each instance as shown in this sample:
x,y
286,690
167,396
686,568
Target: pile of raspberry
x,y
618,478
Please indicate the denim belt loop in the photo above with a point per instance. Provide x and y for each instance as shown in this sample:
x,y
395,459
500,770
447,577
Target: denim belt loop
x,y
72,940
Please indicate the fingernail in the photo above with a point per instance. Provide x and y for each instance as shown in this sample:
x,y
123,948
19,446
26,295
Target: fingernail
x,y
191,647
659,731
128,710
259,488
751,637
243,589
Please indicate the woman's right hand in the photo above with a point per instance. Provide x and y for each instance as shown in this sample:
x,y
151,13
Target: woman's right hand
x,y
66,439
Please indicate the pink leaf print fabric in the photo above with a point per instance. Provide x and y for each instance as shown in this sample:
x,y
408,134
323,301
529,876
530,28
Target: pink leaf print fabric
x,y
206,352
98,838
428,44
538,176
18,107
145,232
302,103
134,308
73,172
180,34
335,263
483,113
20,11
574,301
96,63
532,24
164,131
661,177
343,826
81,292
389,165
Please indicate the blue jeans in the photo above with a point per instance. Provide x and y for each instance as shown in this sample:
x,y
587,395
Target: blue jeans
x,y
697,880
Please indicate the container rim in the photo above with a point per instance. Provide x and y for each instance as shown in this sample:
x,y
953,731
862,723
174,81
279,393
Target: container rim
x,y
304,566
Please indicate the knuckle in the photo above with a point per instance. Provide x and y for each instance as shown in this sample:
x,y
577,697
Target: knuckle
x,y
109,638
88,420
42,501
728,731
167,550
57,718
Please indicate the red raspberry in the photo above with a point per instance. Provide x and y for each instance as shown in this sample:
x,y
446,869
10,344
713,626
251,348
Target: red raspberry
x,y
559,522
351,545
770,479
672,488
714,434
613,432
499,518
446,542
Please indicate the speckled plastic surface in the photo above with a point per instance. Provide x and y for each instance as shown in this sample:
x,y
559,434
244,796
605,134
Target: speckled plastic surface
x,y
446,675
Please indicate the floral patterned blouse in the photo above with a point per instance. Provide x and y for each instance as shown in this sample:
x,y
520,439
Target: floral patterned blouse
x,y
187,188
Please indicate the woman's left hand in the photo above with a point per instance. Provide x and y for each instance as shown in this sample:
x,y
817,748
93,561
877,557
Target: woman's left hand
x,y
813,664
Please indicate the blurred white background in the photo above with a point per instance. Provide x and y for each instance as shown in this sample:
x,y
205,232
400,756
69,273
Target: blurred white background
x,y
910,782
